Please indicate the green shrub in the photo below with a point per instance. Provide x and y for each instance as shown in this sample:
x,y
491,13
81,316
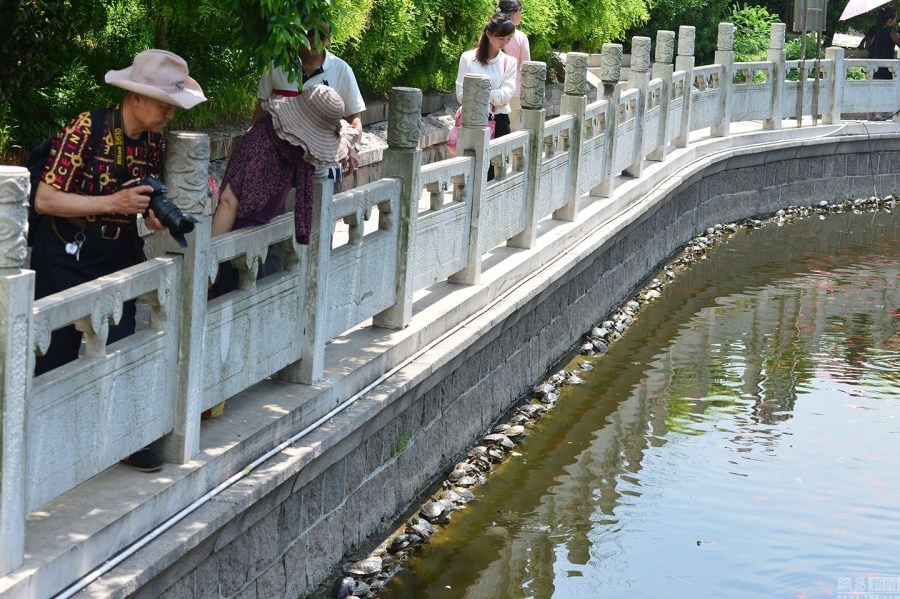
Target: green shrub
x,y
704,15
752,25
793,49
856,74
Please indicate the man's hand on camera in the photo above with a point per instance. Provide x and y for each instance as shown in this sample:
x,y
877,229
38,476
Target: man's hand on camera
x,y
153,223
130,200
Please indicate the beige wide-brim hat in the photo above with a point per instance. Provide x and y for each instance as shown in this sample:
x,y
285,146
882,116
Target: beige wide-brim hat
x,y
159,74
313,121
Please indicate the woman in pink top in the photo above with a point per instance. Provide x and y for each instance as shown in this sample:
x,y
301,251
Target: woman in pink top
x,y
517,48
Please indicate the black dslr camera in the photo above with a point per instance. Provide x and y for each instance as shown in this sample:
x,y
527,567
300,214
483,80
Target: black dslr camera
x,y
166,211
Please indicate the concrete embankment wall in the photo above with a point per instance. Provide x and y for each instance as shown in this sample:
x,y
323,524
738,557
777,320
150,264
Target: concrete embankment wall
x,y
279,531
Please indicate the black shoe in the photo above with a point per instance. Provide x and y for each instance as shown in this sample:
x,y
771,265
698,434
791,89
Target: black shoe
x,y
144,460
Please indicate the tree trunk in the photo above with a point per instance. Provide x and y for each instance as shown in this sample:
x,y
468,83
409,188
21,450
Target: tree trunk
x,y
160,38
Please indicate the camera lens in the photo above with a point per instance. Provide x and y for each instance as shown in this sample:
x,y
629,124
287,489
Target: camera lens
x,y
177,222
170,215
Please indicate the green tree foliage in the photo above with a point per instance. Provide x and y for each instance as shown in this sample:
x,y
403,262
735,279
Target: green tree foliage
x,y
703,15
418,42
586,26
752,25
272,30
30,32
411,42
57,51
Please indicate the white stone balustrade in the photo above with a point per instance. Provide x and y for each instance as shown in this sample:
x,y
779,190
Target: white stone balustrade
x,y
434,224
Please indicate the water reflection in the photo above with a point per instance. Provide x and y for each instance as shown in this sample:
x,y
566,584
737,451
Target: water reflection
x,y
742,440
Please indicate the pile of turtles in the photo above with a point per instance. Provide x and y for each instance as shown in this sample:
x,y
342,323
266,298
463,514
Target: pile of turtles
x,y
364,578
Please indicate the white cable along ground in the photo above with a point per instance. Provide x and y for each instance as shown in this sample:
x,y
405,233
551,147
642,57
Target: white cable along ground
x,y
123,555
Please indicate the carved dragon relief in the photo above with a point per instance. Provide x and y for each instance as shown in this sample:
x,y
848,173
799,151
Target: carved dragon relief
x,y
405,117
187,184
534,75
13,218
576,74
611,62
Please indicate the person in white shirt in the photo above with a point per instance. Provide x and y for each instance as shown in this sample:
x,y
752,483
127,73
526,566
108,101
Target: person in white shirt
x,y
519,49
487,59
319,68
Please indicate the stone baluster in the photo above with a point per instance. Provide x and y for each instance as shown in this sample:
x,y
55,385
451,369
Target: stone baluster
x,y
403,159
531,118
16,361
639,79
724,57
663,69
685,63
187,174
832,113
574,102
310,368
474,140
610,71
776,55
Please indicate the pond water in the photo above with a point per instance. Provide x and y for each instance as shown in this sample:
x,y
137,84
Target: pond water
x,y
742,440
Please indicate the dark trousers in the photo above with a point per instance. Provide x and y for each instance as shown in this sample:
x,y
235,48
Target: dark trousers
x,y
501,128
56,271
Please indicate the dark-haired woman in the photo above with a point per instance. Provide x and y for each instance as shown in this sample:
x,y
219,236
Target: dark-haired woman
x,y
488,59
519,49
882,38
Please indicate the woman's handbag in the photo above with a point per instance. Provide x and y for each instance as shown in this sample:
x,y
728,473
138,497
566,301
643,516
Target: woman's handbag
x,y
454,132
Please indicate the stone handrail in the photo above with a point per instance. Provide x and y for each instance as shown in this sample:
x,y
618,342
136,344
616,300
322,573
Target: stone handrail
x,y
435,223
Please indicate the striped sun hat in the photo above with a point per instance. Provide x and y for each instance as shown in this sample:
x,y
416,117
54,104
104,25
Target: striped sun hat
x,y
312,120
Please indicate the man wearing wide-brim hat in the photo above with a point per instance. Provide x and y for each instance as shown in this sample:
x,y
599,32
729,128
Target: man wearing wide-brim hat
x,y
87,227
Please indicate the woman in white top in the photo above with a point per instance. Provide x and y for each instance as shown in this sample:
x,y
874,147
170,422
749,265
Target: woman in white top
x,y
488,59
519,49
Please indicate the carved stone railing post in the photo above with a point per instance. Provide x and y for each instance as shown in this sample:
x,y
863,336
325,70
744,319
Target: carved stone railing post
x,y
663,69
776,55
725,57
311,367
574,102
832,113
610,71
403,159
474,140
532,115
16,361
685,62
610,67
639,79
187,172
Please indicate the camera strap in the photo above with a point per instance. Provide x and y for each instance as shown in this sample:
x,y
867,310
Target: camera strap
x,y
118,135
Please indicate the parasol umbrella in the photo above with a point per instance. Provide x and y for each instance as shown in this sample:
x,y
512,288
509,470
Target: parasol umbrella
x,y
858,7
